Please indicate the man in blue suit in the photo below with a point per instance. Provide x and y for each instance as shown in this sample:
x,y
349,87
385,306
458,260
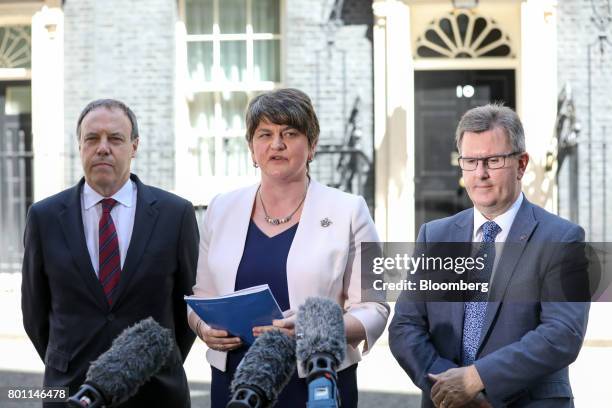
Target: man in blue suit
x,y
498,353
105,254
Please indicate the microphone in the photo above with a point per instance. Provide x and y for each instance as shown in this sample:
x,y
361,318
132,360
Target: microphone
x,y
320,348
136,355
264,371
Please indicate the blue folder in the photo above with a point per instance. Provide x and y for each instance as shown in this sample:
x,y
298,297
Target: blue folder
x,y
238,312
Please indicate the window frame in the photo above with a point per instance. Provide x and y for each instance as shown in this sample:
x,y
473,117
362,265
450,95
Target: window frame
x,y
189,163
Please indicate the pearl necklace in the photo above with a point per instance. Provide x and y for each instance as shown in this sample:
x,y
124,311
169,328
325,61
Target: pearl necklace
x,y
278,221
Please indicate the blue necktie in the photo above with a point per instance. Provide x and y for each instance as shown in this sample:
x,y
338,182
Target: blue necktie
x,y
476,309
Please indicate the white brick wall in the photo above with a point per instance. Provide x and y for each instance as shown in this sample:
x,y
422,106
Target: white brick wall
x,y
123,50
308,62
576,32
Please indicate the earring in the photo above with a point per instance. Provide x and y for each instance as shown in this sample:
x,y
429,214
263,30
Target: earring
x,y
255,165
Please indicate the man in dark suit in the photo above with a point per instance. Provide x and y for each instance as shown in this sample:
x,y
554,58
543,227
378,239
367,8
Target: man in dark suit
x,y
506,352
105,254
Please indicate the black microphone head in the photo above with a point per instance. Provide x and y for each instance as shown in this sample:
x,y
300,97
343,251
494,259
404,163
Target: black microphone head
x,y
320,329
135,356
266,367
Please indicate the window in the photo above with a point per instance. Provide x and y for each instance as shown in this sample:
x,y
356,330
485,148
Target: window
x,y
233,53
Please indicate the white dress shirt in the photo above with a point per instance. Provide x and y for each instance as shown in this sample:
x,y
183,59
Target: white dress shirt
x,y
122,213
504,221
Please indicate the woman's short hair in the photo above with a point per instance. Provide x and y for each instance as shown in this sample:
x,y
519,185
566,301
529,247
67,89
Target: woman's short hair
x,y
287,106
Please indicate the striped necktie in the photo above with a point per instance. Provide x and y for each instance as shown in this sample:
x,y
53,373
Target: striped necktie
x,y
110,259
475,310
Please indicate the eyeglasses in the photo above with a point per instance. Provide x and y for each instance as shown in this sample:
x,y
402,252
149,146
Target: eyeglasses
x,y
490,162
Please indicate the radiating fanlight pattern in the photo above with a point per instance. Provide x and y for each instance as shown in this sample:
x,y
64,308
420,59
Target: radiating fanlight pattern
x,y
463,35
15,46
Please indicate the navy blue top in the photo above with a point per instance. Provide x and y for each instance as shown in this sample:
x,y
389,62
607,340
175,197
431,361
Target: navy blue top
x,y
264,260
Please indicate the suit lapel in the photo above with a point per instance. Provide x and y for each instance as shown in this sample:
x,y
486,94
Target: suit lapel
x,y
522,228
311,213
463,227
236,229
71,221
144,223
462,232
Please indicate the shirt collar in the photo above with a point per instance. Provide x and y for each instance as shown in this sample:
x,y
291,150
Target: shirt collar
x,y
124,196
504,220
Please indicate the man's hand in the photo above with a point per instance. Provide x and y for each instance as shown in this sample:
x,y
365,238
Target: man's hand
x,y
479,402
455,387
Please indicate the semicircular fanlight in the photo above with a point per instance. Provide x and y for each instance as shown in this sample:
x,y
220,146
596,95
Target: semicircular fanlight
x,y
461,34
15,47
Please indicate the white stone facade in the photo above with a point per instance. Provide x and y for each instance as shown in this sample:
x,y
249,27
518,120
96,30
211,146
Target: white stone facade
x,y
123,50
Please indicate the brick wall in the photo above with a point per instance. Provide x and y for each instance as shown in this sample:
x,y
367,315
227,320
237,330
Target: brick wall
x,y
592,87
335,74
123,50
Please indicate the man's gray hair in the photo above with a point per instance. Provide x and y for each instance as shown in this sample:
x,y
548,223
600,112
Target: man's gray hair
x,y
491,116
108,104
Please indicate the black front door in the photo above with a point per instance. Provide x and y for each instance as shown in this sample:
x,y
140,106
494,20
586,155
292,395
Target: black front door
x,y
441,97
15,170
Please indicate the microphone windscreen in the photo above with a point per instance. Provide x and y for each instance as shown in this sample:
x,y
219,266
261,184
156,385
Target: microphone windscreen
x,y
320,329
268,365
137,354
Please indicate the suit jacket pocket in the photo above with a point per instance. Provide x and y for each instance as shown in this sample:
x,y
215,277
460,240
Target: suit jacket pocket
x,y
57,359
555,389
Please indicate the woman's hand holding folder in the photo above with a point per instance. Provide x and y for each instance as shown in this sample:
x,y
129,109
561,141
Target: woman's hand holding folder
x,y
286,325
217,339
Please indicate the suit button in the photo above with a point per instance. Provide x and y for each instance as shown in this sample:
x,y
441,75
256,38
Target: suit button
x,y
110,317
